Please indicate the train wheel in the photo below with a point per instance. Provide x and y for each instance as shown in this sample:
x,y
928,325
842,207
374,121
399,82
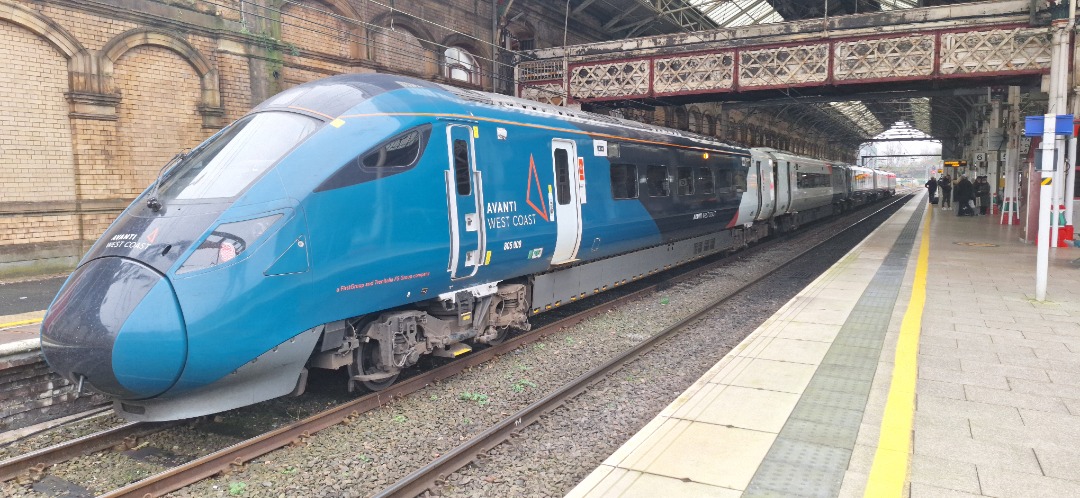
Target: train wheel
x,y
367,364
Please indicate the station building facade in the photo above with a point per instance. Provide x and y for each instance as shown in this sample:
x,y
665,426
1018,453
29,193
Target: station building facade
x,y
97,95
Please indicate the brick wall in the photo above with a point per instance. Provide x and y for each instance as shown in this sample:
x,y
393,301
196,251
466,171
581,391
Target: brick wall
x,y
96,96
401,50
35,145
16,230
311,27
158,117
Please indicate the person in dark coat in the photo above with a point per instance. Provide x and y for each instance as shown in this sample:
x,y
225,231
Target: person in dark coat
x,y
965,197
931,188
982,190
945,183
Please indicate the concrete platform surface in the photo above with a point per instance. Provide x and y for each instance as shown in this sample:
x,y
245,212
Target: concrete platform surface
x,y
919,365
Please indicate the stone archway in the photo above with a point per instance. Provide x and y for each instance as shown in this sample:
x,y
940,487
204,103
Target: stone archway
x,y
210,100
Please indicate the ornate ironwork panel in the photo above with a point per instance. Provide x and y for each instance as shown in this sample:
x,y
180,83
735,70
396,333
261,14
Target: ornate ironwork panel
x,y
610,79
995,51
694,73
548,93
899,57
783,66
543,70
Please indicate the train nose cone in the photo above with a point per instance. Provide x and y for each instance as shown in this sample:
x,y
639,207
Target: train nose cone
x,y
117,325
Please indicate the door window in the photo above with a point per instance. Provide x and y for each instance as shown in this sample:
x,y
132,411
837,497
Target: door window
x,y
562,176
461,167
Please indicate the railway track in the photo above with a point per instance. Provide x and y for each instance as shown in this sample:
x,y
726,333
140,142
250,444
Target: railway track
x,y
34,463
432,475
234,456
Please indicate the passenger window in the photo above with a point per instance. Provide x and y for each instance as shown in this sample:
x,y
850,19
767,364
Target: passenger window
x,y
562,176
462,175
624,181
686,180
656,177
723,179
704,181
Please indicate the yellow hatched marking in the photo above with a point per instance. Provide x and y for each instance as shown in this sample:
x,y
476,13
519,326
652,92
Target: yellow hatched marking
x,y
1047,180
19,323
889,471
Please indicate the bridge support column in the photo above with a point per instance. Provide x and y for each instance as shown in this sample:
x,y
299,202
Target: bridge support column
x,y
1010,213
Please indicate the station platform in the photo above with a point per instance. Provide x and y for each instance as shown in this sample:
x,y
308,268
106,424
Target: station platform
x,y
919,365
22,306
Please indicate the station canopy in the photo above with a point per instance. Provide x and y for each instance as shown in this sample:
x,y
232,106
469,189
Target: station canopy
x,y
852,119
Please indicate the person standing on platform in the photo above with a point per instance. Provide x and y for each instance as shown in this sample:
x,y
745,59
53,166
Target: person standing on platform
x,y
982,190
945,183
965,195
931,188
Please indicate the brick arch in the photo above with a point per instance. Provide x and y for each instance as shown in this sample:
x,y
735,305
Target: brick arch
x,y
210,101
81,64
402,21
476,50
474,47
384,48
42,26
521,29
37,162
156,115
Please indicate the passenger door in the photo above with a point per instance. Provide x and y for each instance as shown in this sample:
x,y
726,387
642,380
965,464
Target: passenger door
x,y
465,199
766,189
567,201
783,186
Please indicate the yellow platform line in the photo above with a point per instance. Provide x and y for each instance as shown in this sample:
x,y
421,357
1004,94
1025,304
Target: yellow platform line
x,y
20,322
892,458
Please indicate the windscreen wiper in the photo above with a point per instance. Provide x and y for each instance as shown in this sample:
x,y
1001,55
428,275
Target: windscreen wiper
x,y
153,202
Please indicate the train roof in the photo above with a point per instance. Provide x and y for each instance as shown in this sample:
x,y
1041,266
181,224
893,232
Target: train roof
x,y
333,96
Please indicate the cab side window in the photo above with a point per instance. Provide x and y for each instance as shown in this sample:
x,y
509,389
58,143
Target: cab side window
x,y
395,155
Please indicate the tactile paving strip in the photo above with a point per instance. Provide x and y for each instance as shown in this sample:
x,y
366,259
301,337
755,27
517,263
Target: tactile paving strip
x,y
811,453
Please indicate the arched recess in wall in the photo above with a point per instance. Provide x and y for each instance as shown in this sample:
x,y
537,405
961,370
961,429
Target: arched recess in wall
x,y
682,118
694,123
520,35
664,116
464,60
320,28
402,46
710,125
41,62
166,88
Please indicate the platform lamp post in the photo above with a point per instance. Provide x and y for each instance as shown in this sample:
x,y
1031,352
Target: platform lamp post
x,y
1049,127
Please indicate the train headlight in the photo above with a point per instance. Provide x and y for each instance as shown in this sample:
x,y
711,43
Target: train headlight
x,y
227,242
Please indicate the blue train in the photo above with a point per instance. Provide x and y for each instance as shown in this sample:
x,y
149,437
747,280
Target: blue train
x,y
361,221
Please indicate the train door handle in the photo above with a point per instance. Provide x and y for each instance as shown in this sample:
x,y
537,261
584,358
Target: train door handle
x,y
471,222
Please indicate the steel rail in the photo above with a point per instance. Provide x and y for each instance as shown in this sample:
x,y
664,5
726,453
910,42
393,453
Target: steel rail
x,y
296,433
35,462
431,475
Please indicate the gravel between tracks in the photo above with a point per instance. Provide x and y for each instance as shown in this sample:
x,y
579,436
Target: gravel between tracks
x,y
551,456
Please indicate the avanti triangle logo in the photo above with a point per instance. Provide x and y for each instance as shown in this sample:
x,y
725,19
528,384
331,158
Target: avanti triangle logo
x,y
542,210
